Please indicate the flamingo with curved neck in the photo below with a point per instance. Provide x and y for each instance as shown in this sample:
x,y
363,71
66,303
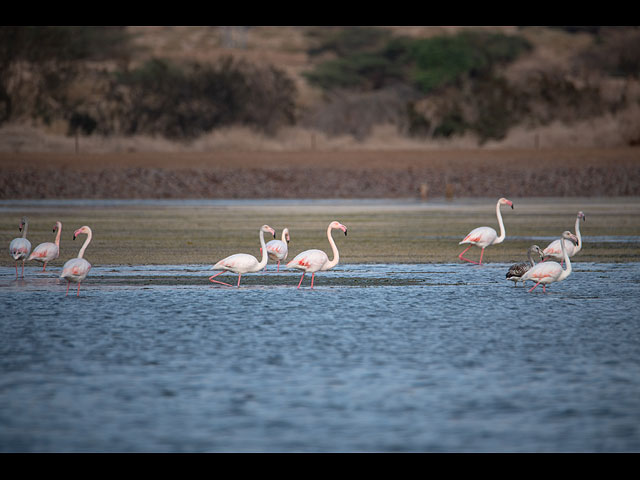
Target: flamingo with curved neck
x,y
20,247
47,251
279,249
553,250
485,236
242,262
549,272
316,260
77,269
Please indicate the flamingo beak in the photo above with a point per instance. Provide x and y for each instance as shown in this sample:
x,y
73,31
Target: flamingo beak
x,y
345,232
74,236
511,203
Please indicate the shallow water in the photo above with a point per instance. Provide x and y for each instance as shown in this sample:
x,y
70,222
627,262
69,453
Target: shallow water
x,y
407,358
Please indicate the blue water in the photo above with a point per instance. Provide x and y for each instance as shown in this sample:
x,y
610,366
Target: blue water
x,y
405,358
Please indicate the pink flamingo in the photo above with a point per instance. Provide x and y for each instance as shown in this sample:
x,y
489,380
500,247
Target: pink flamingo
x,y
47,251
76,269
279,249
549,272
485,236
20,247
316,260
554,251
242,262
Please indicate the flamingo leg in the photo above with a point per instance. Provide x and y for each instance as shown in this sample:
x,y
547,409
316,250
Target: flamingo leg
x,y
44,266
78,289
300,282
211,279
239,275
544,289
312,277
16,269
466,259
68,285
481,253
278,271
23,268
535,287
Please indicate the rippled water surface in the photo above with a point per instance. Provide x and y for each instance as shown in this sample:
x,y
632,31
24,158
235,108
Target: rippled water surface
x,y
376,358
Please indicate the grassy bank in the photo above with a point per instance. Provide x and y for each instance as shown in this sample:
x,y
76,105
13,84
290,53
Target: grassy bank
x,y
411,232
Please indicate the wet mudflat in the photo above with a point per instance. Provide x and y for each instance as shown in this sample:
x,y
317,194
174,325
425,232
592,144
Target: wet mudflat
x,y
377,357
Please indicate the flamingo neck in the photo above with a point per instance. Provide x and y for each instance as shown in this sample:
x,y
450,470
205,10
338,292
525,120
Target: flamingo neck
x,y
531,261
336,254
565,273
284,237
85,245
503,234
265,256
579,245
58,234
24,230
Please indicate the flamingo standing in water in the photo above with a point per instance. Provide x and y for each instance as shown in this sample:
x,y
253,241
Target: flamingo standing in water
x,y
485,236
549,272
47,251
20,247
279,249
76,269
242,262
516,271
316,260
554,250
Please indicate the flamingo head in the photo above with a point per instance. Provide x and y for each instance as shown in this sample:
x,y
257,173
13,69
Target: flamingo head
x,y
570,236
336,224
582,216
504,201
84,229
23,222
56,226
536,249
285,234
268,229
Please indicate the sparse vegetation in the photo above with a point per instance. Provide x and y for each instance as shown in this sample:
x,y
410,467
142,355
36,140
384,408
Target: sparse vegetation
x,y
478,83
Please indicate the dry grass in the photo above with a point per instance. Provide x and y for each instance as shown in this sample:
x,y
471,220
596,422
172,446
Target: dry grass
x,y
413,232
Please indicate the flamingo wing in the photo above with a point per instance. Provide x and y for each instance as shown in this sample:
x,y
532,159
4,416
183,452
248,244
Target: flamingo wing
x,y
277,249
516,271
45,252
481,236
19,248
309,260
545,272
554,249
75,270
237,263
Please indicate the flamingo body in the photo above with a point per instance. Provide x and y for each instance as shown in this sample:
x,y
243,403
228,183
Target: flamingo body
x,y
312,261
481,237
238,263
75,270
19,248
